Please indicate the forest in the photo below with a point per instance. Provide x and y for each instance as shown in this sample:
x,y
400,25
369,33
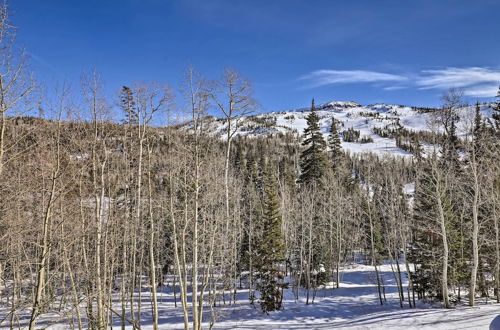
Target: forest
x,y
104,201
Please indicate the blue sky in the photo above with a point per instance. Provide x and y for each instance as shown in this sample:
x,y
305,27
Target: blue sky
x,y
401,52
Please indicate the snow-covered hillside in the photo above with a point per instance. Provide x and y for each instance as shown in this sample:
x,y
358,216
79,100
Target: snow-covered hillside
x,y
363,118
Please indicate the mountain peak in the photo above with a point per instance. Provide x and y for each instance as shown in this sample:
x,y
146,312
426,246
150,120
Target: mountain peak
x,y
342,104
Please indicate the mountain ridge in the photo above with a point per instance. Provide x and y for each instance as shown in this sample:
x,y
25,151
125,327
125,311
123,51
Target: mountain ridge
x,y
379,125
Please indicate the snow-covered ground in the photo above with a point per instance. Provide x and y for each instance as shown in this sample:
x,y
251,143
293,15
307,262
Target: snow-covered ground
x,y
354,305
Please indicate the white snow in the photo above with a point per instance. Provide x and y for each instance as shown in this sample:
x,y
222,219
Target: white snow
x,y
354,305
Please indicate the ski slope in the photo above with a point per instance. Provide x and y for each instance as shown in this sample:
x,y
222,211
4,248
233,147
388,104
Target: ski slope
x,y
363,118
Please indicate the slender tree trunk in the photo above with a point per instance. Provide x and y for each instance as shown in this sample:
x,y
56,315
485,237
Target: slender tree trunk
x,y
194,279
177,259
444,237
99,198
3,125
152,264
40,282
339,251
475,234
497,253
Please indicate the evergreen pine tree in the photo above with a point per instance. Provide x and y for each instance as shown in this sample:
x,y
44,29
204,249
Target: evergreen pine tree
x,y
477,120
335,145
313,159
426,246
427,250
496,112
417,147
478,131
270,250
127,104
451,149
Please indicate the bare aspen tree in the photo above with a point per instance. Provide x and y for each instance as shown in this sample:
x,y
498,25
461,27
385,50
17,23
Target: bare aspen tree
x,y
496,223
149,101
370,215
437,222
447,116
179,247
55,176
474,169
196,93
91,85
16,83
234,98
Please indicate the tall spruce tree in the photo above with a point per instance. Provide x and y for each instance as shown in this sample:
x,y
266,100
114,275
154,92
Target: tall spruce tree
x,y
127,103
335,145
436,240
270,250
451,148
478,133
496,112
313,159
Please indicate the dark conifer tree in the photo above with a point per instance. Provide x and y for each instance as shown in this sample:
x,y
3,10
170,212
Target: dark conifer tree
x,y
417,147
270,249
335,145
451,148
427,249
313,159
127,104
479,132
496,112
477,120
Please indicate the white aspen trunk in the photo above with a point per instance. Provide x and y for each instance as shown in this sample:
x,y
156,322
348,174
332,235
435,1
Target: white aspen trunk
x,y
194,278
372,243
178,266
408,273
3,124
475,233
41,275
152,264
442,223
99,273
139,300
40,282
74,290
309,260
497,255
137,220
206,278
339,250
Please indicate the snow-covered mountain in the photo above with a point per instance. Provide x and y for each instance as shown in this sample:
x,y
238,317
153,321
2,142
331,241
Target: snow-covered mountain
x,y
367,119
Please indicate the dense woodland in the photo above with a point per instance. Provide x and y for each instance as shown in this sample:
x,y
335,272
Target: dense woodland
x,y
97,205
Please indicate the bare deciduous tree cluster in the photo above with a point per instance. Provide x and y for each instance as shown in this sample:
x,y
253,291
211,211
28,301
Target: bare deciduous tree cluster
x,y
96,217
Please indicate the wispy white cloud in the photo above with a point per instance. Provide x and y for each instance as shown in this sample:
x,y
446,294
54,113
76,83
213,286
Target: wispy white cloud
x,y
394,88
490,90
329,77
475,81
457,77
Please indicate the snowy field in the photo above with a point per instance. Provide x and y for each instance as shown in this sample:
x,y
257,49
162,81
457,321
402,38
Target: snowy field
x,y
353,306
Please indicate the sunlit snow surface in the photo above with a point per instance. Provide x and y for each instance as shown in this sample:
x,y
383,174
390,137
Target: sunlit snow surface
x,y
358,117
354,305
